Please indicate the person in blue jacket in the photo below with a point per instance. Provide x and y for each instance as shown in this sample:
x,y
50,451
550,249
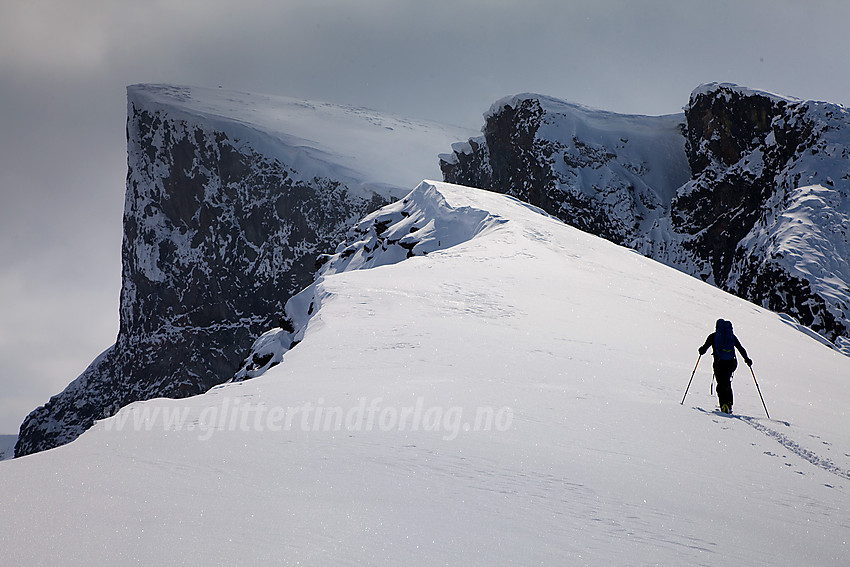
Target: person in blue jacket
x,y
723,343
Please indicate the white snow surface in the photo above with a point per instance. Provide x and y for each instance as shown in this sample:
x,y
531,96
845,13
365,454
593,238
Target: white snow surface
x,y
362,446
813,236
366,149
711,89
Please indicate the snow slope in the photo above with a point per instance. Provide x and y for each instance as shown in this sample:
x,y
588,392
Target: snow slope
x,y
357,146
513,399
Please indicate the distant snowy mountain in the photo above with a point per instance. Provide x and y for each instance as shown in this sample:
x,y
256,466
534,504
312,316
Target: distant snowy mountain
x,y
7,446
473,383
230,199
747,190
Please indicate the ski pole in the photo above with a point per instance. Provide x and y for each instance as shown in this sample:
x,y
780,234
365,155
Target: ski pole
x,y
759,391
691,380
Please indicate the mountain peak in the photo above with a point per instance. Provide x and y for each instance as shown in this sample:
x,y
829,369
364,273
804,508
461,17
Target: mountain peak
x,y
230,199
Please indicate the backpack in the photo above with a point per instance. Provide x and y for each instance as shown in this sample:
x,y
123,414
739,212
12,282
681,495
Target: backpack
x,y
724,341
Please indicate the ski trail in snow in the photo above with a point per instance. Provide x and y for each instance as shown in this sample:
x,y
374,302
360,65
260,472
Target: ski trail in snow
x,y
806,454
796,448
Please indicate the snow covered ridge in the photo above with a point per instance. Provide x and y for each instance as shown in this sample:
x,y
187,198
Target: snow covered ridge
x,y
724,192
230,199
421,223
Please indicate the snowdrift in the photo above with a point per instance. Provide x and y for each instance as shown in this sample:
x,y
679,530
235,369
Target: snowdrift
x,y
511,397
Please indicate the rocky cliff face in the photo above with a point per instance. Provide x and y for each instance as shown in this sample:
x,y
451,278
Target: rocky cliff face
x,y
747,190
768,208
604,173
226,213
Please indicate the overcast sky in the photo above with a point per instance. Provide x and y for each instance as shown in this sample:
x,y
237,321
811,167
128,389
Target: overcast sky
x,y
64,66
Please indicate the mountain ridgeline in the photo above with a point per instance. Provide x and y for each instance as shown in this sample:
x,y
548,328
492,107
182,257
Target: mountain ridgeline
x,y
224,220
746,190
231,198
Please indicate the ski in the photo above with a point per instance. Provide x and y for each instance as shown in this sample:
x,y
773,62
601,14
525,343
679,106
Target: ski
x,y
742,417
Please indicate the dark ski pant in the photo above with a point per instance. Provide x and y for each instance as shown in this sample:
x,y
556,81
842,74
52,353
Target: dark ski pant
x,y
723,370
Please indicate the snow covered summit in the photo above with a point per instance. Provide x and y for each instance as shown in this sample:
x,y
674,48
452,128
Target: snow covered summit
x,y
511,396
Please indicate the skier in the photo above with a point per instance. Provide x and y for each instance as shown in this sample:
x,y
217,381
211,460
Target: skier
x,y
723,343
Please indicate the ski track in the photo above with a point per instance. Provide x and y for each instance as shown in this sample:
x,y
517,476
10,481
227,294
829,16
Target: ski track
x,y
806,454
